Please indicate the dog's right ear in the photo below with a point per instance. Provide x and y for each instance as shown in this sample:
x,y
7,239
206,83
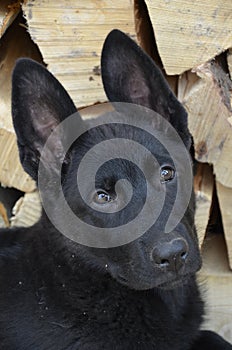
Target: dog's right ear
x,y
39,104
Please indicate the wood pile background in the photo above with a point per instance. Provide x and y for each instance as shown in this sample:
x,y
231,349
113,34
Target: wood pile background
x,y
192,43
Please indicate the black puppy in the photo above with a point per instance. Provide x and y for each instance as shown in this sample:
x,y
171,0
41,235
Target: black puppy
x,y
57,294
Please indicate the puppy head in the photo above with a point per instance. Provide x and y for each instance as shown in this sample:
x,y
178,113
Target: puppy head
x,y
41,111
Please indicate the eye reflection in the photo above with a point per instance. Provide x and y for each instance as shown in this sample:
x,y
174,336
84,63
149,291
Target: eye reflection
x,y
167,173
102,197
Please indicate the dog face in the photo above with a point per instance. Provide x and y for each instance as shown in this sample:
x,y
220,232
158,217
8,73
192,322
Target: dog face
x,y
156,258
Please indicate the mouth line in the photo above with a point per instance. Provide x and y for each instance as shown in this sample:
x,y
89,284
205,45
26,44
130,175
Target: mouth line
x,y
170,285
175,283
165,285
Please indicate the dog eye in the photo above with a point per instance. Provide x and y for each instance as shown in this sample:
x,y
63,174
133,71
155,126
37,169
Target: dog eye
x,y
167,173
102,197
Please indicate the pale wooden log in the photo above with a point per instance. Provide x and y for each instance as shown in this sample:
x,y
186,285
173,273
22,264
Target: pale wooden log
x,y
15,43
11,171
203,186
96,110
27,210
70,35
229,60
146,39
4,222
225,202
8,13
189,33
215,279
144,30
206,97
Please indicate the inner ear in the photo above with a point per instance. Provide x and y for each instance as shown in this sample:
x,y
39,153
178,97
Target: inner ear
x,y
39,104
129,75
122,77
38,99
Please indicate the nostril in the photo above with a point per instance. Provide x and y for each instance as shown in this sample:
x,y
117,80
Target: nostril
x,y
163,263
184,255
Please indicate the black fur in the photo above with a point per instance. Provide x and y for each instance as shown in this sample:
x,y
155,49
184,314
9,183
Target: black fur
x,y
57,294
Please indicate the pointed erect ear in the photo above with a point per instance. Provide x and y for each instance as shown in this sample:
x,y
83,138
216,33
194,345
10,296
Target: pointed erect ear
x,y
39,104
130,75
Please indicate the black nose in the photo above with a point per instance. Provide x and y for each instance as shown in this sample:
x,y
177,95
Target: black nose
x,y
171,255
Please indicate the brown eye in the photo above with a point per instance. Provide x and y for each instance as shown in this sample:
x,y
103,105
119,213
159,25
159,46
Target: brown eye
x,y
167,173
102,197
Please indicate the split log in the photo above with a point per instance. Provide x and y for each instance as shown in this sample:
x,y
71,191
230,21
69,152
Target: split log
x,y
27,210
70,35
206,96
216,281
225,202
203,186
8,13
146,39
229,60
4,222
190,33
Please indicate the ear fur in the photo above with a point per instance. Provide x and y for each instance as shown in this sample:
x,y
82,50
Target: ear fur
x,y
39,104
130,75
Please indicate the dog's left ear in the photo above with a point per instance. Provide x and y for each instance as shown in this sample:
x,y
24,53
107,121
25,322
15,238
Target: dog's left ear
x,y
130,75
